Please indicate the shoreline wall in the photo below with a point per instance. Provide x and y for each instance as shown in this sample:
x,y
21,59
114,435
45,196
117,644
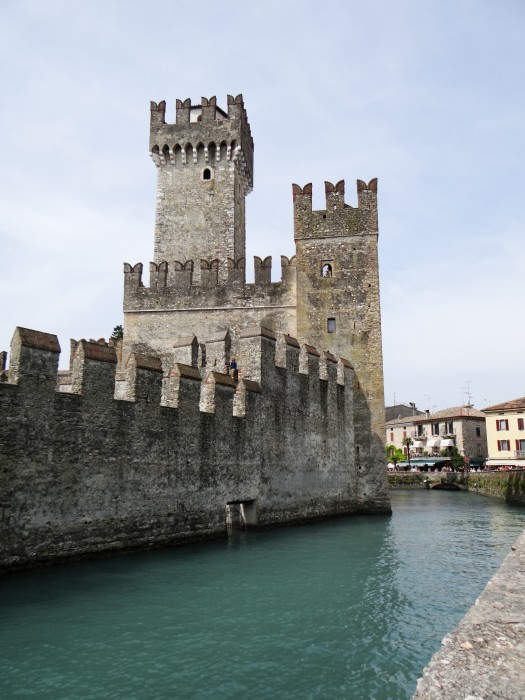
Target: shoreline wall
x,y
506,485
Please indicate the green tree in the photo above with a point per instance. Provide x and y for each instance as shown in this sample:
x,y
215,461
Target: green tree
x,y
457,460
395,454
118,333
407,442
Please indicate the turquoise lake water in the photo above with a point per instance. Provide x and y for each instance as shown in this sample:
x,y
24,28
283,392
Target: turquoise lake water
x,y
350,608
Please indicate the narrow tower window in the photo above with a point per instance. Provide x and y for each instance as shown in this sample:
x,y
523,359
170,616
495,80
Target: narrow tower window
x,y
330,325
206,175
326,270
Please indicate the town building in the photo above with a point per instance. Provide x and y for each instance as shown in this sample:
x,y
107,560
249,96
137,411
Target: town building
x,y
461,426
506,433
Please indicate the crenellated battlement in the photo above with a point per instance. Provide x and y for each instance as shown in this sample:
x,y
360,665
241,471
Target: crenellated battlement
x,y
261,353
203,135
207,111
339,218
180,276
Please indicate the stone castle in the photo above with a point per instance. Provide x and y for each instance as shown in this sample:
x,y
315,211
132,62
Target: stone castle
x,y
264,399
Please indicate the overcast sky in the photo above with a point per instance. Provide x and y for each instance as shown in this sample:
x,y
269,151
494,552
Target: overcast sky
x,y
426,95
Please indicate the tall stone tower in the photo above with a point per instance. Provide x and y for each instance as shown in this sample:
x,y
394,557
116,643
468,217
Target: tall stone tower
x,y
205,171
338,308
197,278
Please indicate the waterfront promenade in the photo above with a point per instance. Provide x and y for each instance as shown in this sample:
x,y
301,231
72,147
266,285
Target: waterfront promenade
x,y
484,656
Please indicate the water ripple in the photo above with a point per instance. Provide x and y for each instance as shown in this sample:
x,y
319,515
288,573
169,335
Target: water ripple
x,y
351,608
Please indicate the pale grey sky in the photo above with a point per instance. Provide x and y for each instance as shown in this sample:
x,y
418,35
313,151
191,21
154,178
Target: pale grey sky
x,y
427,96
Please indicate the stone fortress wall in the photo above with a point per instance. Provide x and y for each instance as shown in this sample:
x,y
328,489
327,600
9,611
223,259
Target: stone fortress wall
x,y
86,473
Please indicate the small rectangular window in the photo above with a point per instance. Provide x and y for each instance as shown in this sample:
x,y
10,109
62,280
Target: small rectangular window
x,y
502,424
504,445
478,431
435,428
520,424
327,268
330,325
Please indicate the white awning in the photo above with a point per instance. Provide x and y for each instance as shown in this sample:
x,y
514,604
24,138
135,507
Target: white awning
x,y
433,442
505,462
447,443
418,443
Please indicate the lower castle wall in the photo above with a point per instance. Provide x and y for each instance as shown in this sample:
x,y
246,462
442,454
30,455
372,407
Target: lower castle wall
x,y
83,473
155,332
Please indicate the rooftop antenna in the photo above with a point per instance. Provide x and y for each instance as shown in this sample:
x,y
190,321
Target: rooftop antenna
x,y
467,391
428,397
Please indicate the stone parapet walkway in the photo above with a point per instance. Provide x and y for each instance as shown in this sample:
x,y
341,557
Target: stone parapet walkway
x,y
484,657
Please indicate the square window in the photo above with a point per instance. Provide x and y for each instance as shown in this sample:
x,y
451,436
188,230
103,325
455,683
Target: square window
x,y
330,325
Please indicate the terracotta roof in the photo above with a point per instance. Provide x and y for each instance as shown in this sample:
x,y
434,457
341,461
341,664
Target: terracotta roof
x,y
455,412
507,405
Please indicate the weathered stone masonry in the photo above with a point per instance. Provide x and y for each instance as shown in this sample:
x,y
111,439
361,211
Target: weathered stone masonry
x,y
147,442
85,473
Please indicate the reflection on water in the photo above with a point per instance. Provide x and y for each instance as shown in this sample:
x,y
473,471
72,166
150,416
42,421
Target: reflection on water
x,y
350,608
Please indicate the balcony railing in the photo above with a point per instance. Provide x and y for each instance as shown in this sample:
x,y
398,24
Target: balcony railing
x,y
519,454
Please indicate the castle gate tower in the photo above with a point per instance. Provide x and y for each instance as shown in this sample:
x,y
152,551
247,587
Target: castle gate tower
x,y
338,307
205,171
